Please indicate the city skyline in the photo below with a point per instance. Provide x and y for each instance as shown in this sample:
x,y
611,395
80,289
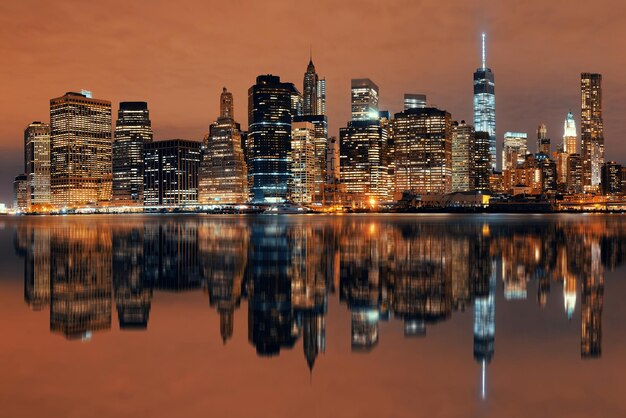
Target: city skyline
x,y
176,80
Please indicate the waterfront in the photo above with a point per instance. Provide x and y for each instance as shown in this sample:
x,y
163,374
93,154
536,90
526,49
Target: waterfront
x,y
314,315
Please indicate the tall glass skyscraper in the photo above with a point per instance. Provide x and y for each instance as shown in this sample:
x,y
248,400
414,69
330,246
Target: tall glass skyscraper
x,y
591,130
37,163
485,104
132,130
271,105
364,99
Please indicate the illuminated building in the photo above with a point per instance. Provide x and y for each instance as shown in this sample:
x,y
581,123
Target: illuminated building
x,y
423,151
592,130
20,193
514,151
333,187
37,163
482,161
80,279
485,105
362,149
462,157
80,150
543,142
611,178
364,99
561,158
412,101
569,135
271,105
132,130
574,174
303,167
222,175
310,91
321,96
320,143
171,173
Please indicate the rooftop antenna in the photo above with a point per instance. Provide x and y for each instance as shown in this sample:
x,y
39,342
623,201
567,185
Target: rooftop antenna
x,y
484,66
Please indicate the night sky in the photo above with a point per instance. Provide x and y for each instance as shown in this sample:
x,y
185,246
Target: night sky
x,y
178,55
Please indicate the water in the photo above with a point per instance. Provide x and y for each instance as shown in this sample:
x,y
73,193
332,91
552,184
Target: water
x,y
329,316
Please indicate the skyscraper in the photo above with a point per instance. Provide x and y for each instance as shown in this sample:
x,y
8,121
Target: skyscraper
x,y
303,162
412,101
592,130
20,193
80,150
222,176
320,143
309,91
482,161
485,104
171,173
543,142
132,130
462,157
569,135
37,163
423,150
364,99
271,105
514,152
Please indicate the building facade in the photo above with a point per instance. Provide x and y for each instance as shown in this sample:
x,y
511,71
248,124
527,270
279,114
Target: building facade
x,y
423,151
37,163
412,101
171,173
462,157
80,150
271,106
543,142
133,129
364,99
222,176
485,104
303,164
592,130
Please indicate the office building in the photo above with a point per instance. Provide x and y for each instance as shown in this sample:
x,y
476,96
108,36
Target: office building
x,y
37,164
514,151
423,151
320,144
462,157
485,104
592,130
171,173
543,142
611,178
20,193
271,106
413,101
569,135
364,99
303,167
574,174
80,150
133,129
482,161
222,176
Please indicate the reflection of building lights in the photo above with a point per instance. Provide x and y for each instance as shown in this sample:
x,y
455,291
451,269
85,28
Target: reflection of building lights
x,y
372,202
372,316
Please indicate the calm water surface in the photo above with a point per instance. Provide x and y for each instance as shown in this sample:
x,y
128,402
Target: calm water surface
x,y
313,316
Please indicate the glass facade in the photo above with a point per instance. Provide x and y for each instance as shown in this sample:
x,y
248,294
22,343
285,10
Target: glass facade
x,y
132,130
592,130
37,164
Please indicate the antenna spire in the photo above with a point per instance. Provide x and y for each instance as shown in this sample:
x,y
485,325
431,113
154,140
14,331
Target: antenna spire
x,y
484,53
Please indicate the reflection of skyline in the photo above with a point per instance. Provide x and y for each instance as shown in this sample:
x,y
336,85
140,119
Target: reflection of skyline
x,y
416,272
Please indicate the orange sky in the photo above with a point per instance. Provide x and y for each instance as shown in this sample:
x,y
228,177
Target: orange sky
x,y
178,55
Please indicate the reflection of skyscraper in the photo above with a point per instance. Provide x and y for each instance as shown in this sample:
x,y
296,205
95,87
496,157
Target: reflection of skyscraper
x,y
484,315
37,268
485,105
270,315
80,266
223,248
592,303
133,290
171,255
